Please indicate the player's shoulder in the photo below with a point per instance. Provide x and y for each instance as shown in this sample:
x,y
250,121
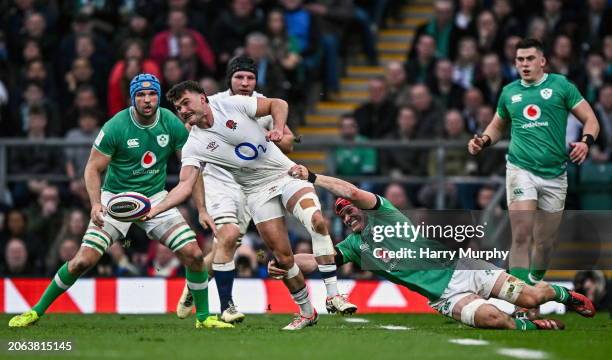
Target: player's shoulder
x,y
118,121
513,85
167,116
220,95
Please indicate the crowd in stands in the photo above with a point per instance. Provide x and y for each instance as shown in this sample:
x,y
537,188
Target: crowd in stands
x,y
65,68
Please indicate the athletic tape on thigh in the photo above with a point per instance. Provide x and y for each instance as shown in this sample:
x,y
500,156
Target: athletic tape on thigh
x,y
178,237
469,311
293,271
511,289
321,244
100,239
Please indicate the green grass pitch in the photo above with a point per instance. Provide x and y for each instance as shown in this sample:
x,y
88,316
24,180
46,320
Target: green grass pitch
x,y
259,337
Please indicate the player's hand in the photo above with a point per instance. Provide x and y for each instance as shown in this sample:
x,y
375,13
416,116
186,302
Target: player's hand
x,y
274,271
579,152
207,221
274,135
299,172
475,144
97,212
151,214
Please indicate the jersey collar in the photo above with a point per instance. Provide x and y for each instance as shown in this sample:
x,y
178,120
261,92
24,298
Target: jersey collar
x,y
544,77
139,125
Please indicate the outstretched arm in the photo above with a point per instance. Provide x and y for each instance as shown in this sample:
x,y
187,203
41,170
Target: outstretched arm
x,y
586,116
492,134
360,198
181,192
279,110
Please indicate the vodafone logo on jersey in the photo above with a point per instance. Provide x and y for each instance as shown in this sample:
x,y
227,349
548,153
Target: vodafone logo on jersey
x,y
148,159
532,112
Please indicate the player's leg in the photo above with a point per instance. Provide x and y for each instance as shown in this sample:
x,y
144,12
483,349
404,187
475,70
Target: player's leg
x,y
171,229
95,242
271,226
304,204
551,201
517,292
522,199
224,269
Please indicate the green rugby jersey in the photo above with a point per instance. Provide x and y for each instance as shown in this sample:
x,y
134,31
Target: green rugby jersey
x,y
139,154
428,277
538,115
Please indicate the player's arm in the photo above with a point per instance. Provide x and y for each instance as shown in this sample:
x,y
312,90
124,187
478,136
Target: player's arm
x,y
286,143
279,109
96,165
492,134
187,178
362,199
580,149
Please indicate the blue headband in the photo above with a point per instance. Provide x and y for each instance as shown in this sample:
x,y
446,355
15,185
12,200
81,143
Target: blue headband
x,y
144,82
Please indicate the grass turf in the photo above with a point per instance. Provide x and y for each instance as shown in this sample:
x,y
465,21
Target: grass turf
x,y
259,337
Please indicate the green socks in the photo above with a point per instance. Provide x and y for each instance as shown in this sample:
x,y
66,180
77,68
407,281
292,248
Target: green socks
x,y
62,281
536,276
524,324
561,294
521,274
197,282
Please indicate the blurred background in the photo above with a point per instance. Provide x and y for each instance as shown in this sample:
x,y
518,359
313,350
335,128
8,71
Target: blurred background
x,y
382,93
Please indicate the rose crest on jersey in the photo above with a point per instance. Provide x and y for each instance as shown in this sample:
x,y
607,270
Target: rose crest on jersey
x,y
532,112
546,93
163,139
148,159
231,124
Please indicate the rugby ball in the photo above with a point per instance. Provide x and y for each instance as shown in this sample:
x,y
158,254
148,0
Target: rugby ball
x,y
128,206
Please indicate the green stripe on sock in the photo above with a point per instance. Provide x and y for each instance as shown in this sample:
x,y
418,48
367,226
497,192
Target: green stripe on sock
x,y
521,274
537,274
561,294
98,236
200,297
178,246
53,290
524,325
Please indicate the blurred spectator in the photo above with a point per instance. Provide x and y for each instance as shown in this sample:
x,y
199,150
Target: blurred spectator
x,y
37,71
595,23
430,124
172,75
244,268
465,65
232,27
76,157
85,47
594,285
562,60
271,79
353,160
192,66
485,196
595,76
607,51
63,252
397,87
303,247
492,79
508,65
396,194
121,263
557,21
396,162
164,264
209,85
442,28
488,35
16,226
166,44
466,14
138,28
17,260
46,216
376,117
508,23
35,28
602,151
365,25
537,30
472,101
420,68
36,160
444,89
456,161
83,26
118,92
85,99
31,51
491,162
34,96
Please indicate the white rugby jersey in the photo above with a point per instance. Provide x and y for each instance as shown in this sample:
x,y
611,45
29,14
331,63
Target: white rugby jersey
x,y
266,122
236,143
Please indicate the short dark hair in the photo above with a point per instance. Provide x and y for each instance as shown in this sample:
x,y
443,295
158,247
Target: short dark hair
x,y
530,43
37,110
181,88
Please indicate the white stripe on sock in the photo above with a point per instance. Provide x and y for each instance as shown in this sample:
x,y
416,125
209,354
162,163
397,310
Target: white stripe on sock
x,y
224,267
60,283
197,286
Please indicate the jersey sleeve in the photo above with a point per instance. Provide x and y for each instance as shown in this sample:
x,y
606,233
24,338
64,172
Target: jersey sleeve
x,y
502,110
179,133
106,141
349,249
189,156
572,95
245,104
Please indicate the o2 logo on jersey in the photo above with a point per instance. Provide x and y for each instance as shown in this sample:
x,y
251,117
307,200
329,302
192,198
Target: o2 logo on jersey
x,y
248,151
532,112
148,159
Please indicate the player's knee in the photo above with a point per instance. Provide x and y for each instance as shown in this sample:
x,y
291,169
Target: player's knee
x,y
194,258
491,317
522,236
318,223
80,264
285,261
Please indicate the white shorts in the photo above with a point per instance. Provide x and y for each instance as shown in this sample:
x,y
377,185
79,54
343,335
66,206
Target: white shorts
x,y
270,201
465,282
523,185
226,202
